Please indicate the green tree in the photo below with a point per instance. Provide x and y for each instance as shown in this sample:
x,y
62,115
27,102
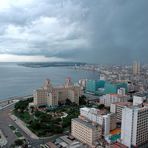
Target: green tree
x,y
35,125
101,106
68,102
82,100
18,142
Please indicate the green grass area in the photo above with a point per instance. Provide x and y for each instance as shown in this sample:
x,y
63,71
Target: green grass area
x,y
24,116
49,122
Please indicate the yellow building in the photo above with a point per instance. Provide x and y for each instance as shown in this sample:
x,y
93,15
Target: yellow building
x,y
85,131
52,96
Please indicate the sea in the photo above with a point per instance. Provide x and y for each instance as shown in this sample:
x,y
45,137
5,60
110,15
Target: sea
x,y
16,80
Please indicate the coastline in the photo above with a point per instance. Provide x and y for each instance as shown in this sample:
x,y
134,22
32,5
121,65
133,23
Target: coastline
x,y
9,101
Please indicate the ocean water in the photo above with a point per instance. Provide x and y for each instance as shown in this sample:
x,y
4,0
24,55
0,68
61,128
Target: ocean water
x,y
20,81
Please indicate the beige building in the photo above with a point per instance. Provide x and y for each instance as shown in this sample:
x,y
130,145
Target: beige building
x,y
136,68
85,131
52,96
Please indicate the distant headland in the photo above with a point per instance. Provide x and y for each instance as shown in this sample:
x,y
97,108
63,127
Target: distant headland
x,y
50,64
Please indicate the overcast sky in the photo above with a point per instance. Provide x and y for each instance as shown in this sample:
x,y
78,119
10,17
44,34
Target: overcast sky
x,y
96,31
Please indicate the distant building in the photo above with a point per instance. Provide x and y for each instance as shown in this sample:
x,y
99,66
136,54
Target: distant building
x,y
52,96
82,83
112,88
136,68
93,86
85,131
108,99
134,130
100,87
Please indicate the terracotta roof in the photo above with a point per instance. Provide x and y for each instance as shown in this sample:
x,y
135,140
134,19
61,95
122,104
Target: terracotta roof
x,y
118,145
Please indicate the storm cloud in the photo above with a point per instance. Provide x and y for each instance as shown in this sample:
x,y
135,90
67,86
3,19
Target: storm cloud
x,y
98,31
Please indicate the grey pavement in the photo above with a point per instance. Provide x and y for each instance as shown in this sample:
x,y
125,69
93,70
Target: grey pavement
x,y
5,121
3,140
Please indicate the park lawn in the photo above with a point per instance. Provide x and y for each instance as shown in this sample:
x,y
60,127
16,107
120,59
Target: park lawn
x,y
24,116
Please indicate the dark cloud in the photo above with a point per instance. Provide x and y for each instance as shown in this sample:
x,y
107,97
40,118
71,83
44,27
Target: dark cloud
x,y
98,31
119,30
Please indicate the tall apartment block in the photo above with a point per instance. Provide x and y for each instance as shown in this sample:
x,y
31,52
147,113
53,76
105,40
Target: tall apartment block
x,y
136,68
118,107
134,129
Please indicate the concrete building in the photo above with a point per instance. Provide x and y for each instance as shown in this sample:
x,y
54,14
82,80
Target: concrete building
x,y
121,91
82,83
118,107
106,121
138,99
136,68
85,131
134,130
52,96
108,99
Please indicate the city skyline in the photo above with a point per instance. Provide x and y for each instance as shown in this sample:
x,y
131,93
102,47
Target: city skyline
x,y
54,30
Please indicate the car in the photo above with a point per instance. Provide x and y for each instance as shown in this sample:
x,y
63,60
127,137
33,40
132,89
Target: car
x,y
29,145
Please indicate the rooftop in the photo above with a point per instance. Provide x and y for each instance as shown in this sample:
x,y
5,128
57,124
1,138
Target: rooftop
x,y
118,145
123,103
85,123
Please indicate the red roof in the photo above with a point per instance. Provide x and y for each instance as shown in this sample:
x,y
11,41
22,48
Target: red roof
x,y
118,145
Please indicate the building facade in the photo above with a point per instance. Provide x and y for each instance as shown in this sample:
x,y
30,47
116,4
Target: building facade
x,y
108,99
107,121
136,68
112,88
134,129
85,131
52,96
118,107
93,86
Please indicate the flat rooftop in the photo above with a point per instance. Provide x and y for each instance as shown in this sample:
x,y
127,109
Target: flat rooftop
x,y
85,123
123,103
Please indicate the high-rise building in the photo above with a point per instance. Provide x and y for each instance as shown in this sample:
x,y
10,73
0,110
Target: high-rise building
x,y
118,107
136,68
134,129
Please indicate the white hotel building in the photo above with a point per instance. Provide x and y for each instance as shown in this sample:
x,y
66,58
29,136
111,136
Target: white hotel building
x,y
106,121
134,130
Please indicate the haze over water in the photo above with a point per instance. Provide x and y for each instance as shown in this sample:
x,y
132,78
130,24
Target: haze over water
x,y
19,81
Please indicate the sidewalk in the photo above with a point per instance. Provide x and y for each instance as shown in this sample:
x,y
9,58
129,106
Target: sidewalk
x,y
3,140
22,125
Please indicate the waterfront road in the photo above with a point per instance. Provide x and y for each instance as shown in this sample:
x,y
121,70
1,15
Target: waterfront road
x,y
5,121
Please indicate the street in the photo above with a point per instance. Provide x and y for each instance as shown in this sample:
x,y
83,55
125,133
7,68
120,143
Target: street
x,y
5,121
